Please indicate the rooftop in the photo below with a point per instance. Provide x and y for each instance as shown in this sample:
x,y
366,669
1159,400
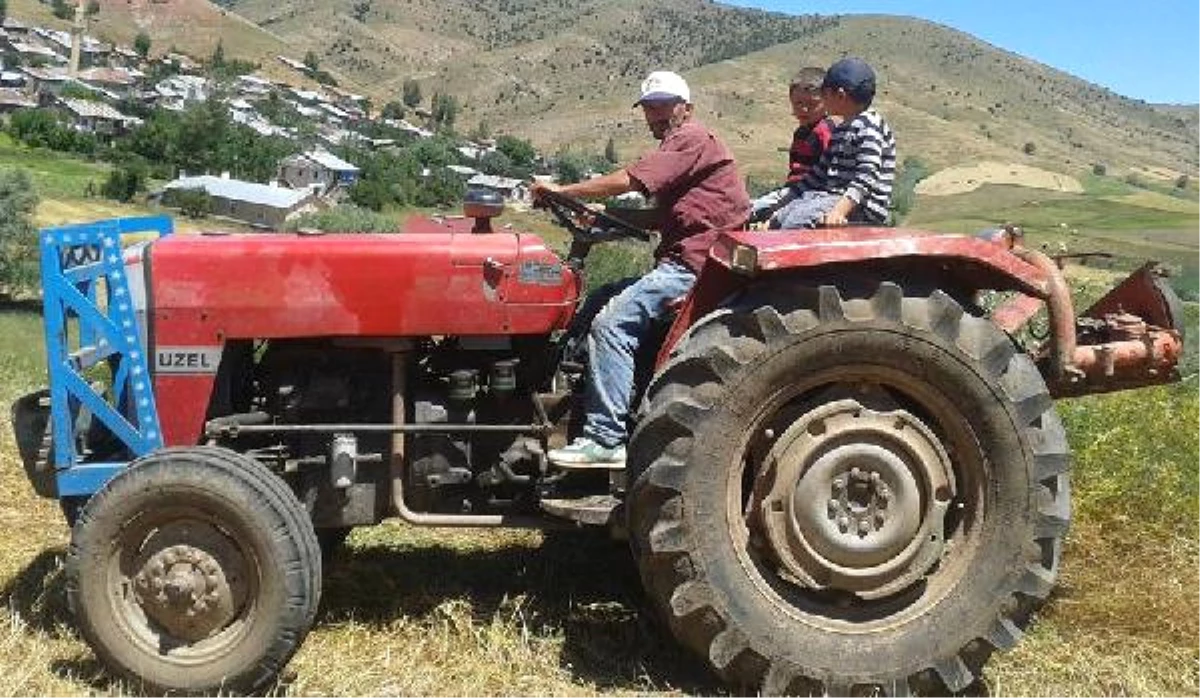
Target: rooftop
x,y
97,110
327,159
238,190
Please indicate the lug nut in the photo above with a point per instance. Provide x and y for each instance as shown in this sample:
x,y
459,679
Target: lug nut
x,y
863,528
834,506
843,523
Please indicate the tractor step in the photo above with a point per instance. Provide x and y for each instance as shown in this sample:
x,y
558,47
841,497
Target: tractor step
x,y
590,510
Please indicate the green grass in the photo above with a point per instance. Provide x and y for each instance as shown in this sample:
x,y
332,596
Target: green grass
x,y
55,175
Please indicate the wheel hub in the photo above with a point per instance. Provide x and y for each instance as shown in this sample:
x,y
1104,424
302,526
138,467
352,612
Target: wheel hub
x,y
854,499
191,589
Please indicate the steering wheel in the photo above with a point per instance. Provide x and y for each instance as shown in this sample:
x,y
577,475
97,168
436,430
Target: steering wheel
x,y
585,224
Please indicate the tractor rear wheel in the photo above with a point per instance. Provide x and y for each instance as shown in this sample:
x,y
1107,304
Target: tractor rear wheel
x,y
837,492
194,570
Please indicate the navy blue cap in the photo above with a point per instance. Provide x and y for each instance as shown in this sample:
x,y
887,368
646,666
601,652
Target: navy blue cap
x,y
854,76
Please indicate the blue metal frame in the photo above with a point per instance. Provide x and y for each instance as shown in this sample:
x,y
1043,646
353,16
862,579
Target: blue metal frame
x,y
84,280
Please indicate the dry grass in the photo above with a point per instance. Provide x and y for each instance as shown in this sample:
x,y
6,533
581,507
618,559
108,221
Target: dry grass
x,y
434,612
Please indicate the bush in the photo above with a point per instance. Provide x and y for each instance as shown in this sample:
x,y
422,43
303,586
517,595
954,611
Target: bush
x,y
345,218
124,183
18,237
904,195
193,203
1099,169
1029,148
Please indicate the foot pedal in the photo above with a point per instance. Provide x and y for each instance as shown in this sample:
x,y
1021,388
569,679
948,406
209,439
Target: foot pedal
x,y
592,510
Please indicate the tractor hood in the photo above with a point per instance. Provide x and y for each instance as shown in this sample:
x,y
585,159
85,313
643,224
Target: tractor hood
x,y
435,279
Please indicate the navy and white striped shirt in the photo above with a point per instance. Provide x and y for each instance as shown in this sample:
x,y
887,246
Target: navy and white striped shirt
x,y
860,163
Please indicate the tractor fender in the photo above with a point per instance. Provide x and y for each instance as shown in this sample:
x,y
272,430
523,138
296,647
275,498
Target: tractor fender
x,y
956,263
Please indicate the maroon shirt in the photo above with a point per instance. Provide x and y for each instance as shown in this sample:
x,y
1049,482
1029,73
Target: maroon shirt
x,y
808,143
698,188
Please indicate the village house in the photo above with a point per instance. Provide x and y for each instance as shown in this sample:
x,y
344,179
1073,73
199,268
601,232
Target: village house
x,y
92,52
254,87
259,205
31,53
11,100
178,91
14,27
120,82
96,118
182,63
513,190
12,79
124,57
45,82
317,167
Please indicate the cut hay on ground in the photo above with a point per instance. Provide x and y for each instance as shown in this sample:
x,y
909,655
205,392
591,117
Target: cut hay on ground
x,y
965,178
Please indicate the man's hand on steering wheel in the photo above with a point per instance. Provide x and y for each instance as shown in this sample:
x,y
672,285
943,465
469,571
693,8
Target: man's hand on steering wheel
x,y
583,222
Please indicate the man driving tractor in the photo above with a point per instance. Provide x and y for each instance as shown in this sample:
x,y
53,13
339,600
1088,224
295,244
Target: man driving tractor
x,y
701,194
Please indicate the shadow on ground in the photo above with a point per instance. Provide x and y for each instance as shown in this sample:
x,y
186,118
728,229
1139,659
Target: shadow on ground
x,y
582,585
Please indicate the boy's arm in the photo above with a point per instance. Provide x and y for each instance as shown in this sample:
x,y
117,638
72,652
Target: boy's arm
x,y
868,161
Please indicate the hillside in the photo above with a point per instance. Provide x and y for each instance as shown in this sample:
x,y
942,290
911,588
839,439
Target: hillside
x,y
564,75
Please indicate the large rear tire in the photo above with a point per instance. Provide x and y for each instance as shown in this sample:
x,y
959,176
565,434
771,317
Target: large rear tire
x,y
194,570
835,493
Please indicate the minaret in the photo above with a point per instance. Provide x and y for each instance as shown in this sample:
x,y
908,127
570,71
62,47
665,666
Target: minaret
x,y
77,36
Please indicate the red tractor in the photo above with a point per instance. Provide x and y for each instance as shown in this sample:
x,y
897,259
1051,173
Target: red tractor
x,y
844,475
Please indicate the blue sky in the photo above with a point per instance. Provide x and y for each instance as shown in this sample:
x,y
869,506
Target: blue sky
x,y
1145,50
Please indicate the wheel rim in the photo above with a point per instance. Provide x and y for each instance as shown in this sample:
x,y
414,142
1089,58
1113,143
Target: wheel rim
x,y
797,483
855,499
183,586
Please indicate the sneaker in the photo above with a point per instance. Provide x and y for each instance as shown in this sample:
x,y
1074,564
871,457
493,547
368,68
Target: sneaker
x,y
585,453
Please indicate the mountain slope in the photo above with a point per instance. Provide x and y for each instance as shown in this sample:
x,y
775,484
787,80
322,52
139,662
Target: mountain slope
x,y
566,75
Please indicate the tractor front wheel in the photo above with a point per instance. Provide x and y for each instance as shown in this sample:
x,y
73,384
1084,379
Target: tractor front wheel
x,y
194,570
837,492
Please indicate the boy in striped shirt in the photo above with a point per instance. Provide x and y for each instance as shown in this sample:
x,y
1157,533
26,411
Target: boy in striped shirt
x,y
853,180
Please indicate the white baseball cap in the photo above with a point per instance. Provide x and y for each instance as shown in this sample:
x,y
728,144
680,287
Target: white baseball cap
x,y
664,86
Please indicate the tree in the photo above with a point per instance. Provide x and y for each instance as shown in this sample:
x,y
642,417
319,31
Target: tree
x,y
141,44
412,93
3,9
445,110
1029,148
569,167
92,8
1181,182
217,60
193,203
18,237
1099,169
392,110
124,182
482,131
312,62
62,9
518,150
610,151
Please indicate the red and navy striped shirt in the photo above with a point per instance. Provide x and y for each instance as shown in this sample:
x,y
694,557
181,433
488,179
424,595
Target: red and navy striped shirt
x,y
808,143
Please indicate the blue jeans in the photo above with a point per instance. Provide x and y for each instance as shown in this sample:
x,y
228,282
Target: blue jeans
x,y
806,211
616,334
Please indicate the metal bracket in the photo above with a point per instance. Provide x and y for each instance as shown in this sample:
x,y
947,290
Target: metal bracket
x,y
90,317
